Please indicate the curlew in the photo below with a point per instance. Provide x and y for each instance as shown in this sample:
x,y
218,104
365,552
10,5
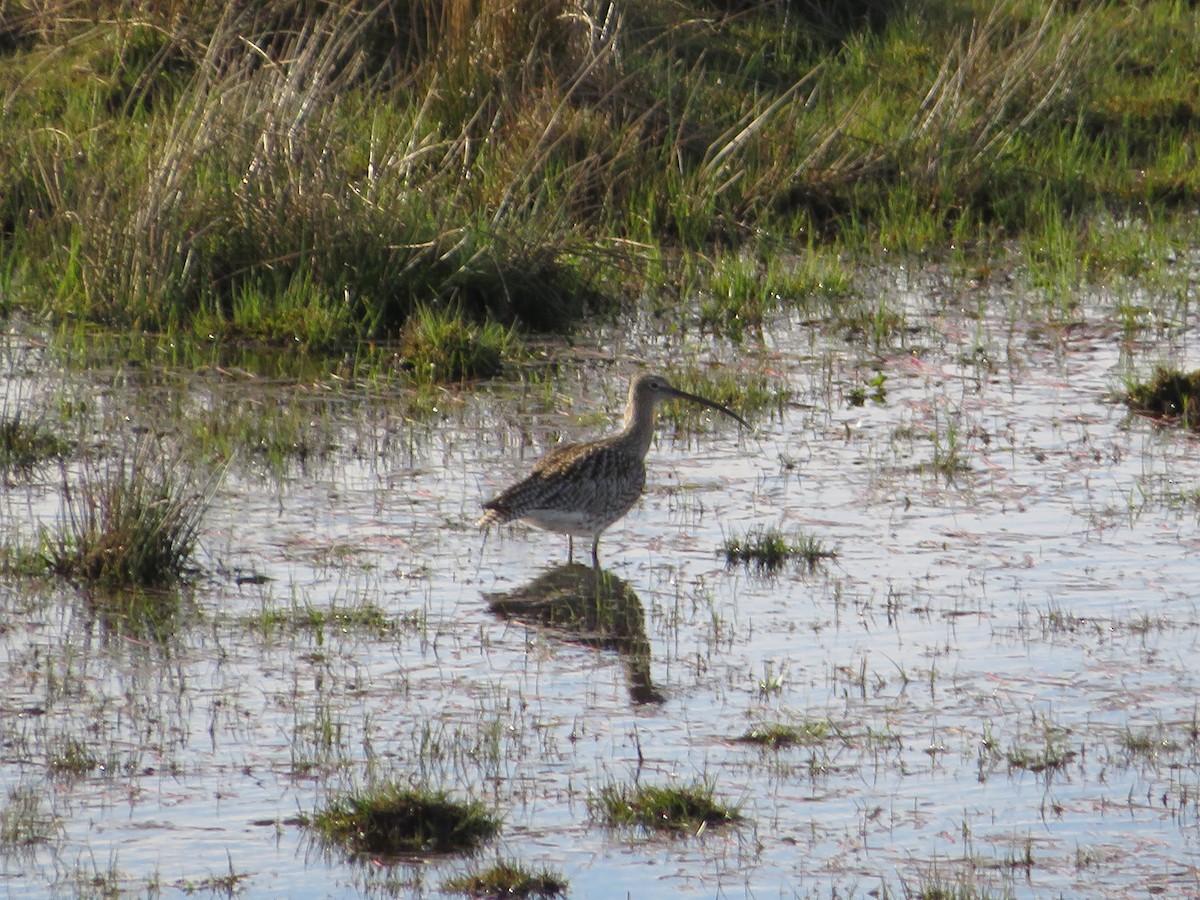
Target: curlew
x,y
581,489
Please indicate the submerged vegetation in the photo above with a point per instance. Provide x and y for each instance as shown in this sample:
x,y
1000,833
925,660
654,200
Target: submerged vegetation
x,y
313,175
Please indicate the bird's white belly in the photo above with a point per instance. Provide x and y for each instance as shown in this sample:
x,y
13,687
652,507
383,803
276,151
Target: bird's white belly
x,y
577,522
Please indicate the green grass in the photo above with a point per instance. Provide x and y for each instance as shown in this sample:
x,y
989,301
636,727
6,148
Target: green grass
x,y
1147,743
739,292
19,558
776,735
156,175
271,202
679,808
768,549
873,322
1051,754
961,887
746,393
72,757
873,388
366,618
390,820
949,454
27,445
25,821
443,346
949,457
1169,395
271,434
228,884
508,879
132,521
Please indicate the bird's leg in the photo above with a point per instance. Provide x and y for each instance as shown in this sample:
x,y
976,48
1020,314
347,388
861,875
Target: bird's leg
x,y
596,553
570,549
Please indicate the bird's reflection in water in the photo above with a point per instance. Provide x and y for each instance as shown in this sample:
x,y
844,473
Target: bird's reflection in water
x,y
585,605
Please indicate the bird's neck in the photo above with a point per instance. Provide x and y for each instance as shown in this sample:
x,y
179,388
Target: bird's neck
x,y
638,430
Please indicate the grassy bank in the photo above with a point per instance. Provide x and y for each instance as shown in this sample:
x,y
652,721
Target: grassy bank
x,y
318,173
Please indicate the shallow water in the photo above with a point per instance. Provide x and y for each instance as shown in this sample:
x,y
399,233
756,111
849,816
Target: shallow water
x,y
1014,580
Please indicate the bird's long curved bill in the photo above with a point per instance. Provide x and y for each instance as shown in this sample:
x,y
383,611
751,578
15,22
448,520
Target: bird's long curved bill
x,y
711,404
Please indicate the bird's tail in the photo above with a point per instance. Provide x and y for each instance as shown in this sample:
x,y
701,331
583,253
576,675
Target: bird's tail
x,y
491,517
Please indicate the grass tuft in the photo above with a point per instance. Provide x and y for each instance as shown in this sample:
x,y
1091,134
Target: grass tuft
x,y
72,757
1170,395
366,618
779,734
389,820
932,887
767,549
508,879
134,523
26,446
1146,743
1050,757
444,346
24,821
678,808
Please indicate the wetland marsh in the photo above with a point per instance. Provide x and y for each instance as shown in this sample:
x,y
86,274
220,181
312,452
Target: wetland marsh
x,y
991,681
287,290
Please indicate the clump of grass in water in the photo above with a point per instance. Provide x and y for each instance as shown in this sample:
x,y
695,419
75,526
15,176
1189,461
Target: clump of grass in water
x,y
1146,743
873,320
677,808
390,820
23,560
133,524
780,734
24,822
1053,755
1170,394
443,346
508,879
25,446
72,757
367,617
934,888
767,549
227,884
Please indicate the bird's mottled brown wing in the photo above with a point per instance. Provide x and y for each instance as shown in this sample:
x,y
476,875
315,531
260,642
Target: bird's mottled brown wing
x,y
597,480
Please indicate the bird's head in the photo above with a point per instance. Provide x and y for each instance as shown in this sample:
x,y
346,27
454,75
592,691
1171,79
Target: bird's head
x,y
653,388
